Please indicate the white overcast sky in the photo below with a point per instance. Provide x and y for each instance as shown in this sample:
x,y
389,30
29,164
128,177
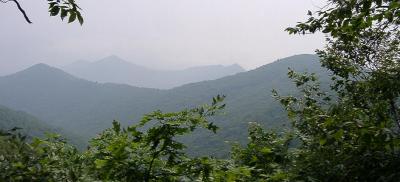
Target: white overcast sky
x,y
162,34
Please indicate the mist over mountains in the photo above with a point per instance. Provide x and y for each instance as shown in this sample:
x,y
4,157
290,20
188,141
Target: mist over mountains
x,y
113,69
86,108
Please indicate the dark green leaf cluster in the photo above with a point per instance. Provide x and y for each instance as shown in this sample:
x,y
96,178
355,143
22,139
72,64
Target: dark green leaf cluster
x,y
51,159
342,141
346,19
65,8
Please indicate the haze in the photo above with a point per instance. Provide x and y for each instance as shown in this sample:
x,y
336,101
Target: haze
x,y
161,34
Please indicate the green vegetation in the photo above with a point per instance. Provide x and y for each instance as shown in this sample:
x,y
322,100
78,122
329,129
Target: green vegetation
x,y
86,108
30,126
62,8
351,133
121,154
65,8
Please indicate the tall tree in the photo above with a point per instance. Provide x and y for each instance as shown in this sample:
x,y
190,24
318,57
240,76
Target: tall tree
x,y
355,136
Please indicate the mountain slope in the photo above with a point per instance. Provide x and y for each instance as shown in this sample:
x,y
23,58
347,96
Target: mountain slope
x,y
71,103
115,70
30,125
249,99
86,107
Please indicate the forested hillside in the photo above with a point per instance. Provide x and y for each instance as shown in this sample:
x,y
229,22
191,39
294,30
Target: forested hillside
x,y
334,117
249,99
87,107
29,125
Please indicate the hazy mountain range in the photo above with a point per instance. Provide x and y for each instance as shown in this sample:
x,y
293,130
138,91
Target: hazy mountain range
x,y
113,69
84,107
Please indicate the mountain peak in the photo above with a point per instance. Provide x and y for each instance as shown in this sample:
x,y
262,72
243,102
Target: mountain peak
x,y
112,56
40,66
237,67
112,59
42,70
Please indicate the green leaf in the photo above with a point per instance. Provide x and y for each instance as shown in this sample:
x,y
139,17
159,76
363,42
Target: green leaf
x,y
63,14
54,11
266,150
322,141
52,4
72,17
339,134
18,165
80,18
100,163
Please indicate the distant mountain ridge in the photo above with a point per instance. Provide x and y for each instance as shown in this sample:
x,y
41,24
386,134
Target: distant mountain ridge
x,y
113,69
87,107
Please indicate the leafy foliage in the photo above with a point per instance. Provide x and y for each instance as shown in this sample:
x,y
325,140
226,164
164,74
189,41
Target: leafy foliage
x,y
50,159
355,136
85,108
340,141
349,134
122,154
30,125
65,8
348,19
130,154
267,154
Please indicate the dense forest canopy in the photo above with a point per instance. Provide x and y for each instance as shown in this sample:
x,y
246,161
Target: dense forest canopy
x,y
349,134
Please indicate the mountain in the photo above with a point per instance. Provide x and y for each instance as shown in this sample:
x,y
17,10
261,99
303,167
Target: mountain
x,y
86,107
69,102
113,69
30,125
249,99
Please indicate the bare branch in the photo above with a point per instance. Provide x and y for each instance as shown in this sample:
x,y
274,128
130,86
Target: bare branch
x,y
19,8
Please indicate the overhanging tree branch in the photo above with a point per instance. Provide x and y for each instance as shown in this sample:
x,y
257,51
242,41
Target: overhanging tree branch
x,y
19,8
64,8
22,11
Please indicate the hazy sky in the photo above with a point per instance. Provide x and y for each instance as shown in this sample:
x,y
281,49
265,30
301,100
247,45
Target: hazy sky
x,y
163,34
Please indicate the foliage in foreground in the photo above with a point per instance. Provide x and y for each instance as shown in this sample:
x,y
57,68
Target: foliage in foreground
x,y
352,135
148,151
329,142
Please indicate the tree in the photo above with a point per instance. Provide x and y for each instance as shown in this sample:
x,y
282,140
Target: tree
x,y
351,133
148,151
64,8
354,134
